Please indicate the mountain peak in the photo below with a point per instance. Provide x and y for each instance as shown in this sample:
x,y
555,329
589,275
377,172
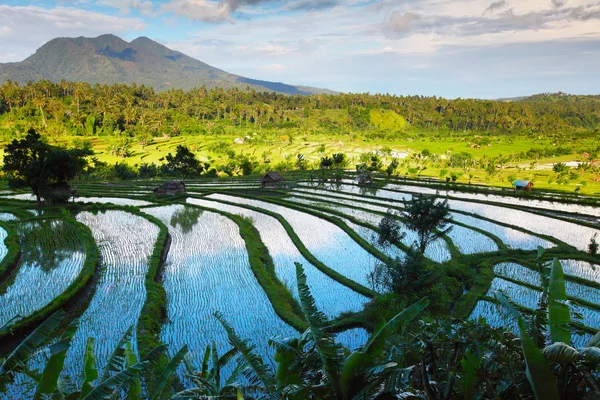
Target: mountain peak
x,y
108,59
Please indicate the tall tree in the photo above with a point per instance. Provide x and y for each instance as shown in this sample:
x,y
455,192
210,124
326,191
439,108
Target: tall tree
x,y
42,167
428,218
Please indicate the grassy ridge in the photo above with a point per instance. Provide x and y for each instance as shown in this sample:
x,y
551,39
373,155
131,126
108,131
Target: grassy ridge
x,y
11,242
304,251
284,304
88,269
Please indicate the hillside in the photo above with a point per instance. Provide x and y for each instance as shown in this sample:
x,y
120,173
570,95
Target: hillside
x,y
108,59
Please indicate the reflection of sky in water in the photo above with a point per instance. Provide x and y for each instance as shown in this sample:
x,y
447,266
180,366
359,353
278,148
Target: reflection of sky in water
x,y
550,205
497,317
352,339
323,239
570,233
4,216
511,237
126,242
3,248
582,269
331,296
207,270
39,279
436,251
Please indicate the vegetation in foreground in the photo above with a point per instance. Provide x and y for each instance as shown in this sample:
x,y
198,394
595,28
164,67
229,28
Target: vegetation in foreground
x,y
405,357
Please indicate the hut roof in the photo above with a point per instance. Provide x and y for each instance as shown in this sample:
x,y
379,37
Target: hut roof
x,y
271,176
171,185
521,183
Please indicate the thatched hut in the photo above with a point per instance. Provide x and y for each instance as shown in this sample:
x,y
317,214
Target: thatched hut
x,y
272,179
170,188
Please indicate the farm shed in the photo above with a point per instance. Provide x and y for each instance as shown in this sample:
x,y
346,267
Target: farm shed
x,y
170,188
271,179
523,185
364,179
59,192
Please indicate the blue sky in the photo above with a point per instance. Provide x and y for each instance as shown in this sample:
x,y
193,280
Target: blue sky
x,y
450,48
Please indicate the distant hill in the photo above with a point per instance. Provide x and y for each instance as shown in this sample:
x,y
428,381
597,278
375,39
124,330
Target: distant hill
x,y
109,59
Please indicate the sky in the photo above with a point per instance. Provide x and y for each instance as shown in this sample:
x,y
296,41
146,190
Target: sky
x,y
448,48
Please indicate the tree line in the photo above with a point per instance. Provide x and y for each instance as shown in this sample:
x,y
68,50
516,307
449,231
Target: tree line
x,y
82,109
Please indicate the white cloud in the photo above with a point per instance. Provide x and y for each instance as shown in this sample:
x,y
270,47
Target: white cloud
x,y
143,6
198,10
274,68
26,28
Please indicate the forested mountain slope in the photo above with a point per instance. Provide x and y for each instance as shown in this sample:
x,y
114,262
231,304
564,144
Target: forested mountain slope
x,y
108,59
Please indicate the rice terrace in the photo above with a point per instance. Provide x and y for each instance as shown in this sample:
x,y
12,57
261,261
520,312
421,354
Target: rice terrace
x,y
299,200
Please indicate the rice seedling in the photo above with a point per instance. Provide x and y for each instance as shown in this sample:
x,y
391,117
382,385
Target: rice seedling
x,y
207,270
52,256
331,296
497,317
517,272
511,237
523,274
126,242
323,239
21,196
353,338
437,251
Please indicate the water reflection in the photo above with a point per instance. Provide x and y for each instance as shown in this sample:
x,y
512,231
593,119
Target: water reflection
x,y
46,244
186,218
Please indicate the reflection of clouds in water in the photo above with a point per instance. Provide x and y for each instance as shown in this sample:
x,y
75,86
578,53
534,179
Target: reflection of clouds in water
x,y
570,233
331,297
126,242
208,270
511,237
323,239
534,203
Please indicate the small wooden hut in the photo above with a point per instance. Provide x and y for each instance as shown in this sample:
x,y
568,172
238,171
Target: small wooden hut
x,y
523,185
364,179
170,188
271,179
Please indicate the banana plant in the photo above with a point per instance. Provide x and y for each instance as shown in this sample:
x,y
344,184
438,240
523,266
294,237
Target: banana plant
x,y
576,368
16,361
315,366
208,380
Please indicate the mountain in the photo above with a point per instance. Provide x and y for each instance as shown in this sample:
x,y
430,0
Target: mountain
x,y
108,59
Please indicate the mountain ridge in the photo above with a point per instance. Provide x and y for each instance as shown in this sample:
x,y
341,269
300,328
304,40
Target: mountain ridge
x,y
108,59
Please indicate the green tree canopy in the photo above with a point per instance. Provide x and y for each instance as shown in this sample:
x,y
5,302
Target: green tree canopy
x,y
42,167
